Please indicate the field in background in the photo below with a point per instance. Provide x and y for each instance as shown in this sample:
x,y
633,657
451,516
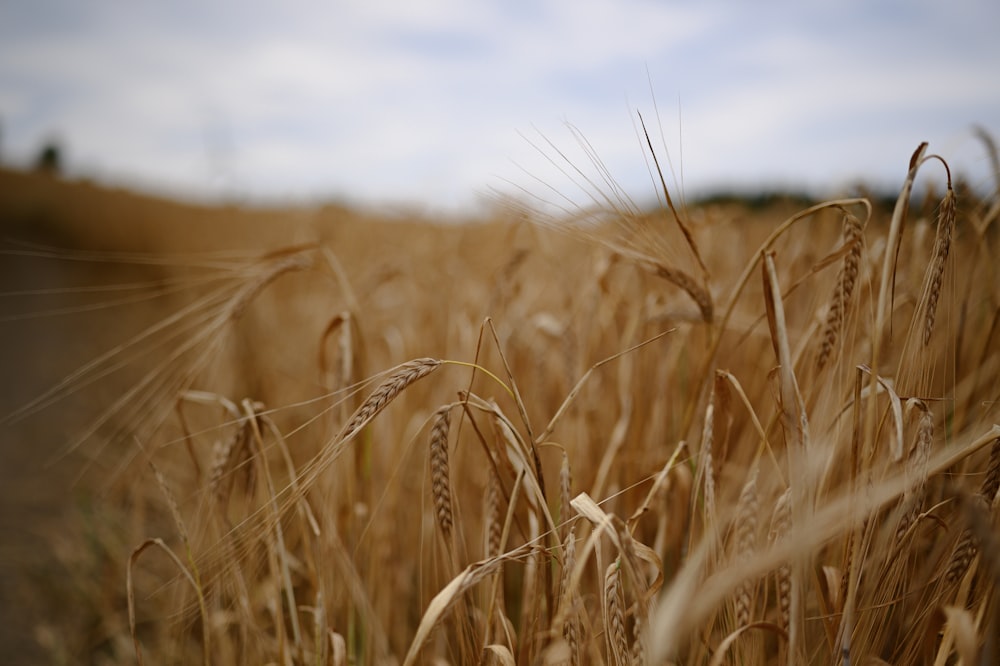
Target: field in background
x,y
259,436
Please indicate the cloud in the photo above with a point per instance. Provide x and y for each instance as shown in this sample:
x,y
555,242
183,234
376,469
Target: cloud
x,y
426,101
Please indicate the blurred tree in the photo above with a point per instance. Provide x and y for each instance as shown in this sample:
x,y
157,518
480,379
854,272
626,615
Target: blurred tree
x,y
49,159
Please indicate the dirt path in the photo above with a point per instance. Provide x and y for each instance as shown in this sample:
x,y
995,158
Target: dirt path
x,y
41,491
34,354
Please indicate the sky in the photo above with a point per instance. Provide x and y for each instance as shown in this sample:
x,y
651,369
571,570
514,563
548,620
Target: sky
x,y
443,104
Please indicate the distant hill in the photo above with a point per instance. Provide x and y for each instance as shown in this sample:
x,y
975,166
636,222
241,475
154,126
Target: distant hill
x,y
39,207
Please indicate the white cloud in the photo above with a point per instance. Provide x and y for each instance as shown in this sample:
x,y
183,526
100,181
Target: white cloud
x,y
424,101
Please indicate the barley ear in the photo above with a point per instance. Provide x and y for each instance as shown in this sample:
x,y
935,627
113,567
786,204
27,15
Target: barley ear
x,y
961,557
746,545
566,511
175,511
980,522
494,515
571,623
223,452
968,544
698,294
338,649
844,289
991,483
942,245
916,470
405,375
781,523
440,479
614,615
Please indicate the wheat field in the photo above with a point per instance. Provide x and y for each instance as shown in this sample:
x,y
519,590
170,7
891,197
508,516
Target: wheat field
x,y
685,434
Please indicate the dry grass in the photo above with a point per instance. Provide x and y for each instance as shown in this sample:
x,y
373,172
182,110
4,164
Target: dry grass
x,y
626,410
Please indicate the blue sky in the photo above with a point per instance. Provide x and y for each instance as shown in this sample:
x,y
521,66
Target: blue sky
x,y
437,104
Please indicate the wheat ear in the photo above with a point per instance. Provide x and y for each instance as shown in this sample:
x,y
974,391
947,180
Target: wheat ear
x,y
916,470
968,544
614,619
844,289
942,244
707,463
407,373
440,479
566,511
571,624
746,544
681,279
781,523
494,514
